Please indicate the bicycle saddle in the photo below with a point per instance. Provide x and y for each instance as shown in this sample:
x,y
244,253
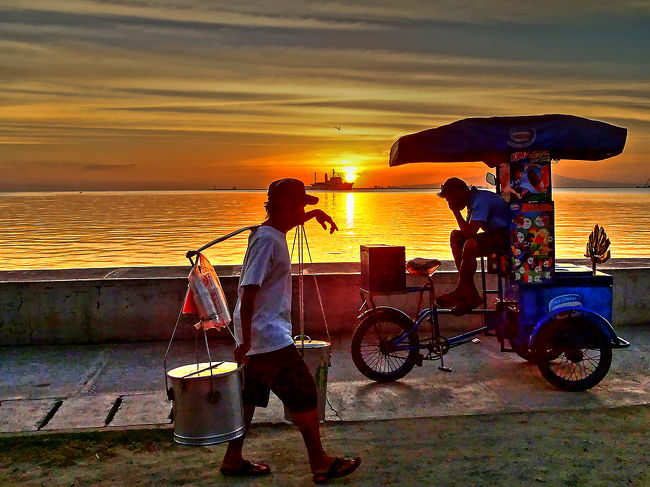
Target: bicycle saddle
x,y
422,267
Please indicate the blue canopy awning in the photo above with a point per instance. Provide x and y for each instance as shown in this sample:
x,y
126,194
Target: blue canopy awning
x,y
492,139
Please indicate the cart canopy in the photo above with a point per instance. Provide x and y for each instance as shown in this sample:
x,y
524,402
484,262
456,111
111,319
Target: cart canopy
x,y
492,139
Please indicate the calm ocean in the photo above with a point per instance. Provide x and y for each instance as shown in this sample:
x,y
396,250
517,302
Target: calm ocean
x,y
106,229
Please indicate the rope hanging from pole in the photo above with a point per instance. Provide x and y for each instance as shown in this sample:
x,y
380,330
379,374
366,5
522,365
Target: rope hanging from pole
x,y
320,298
300,238
301,279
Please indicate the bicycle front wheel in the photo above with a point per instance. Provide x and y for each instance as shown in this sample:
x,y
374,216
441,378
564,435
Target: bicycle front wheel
x,y
373,348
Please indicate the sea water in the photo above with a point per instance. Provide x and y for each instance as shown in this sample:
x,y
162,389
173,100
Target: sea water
x,y
107,229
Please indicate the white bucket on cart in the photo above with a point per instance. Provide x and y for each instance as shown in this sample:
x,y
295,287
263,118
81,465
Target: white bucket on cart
x,y
207,403
316,356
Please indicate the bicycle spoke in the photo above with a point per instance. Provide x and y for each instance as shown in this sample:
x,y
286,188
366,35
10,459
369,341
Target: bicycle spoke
x,y
376,358
392,360
571,371
371,342
583,369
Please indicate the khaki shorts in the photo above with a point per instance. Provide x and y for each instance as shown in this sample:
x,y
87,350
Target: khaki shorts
x,y
492,242
489,242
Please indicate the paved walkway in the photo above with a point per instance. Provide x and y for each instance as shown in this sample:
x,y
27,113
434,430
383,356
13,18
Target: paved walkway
x,y
122,385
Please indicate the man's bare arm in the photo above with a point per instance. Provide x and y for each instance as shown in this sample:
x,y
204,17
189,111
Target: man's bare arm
x,y
467,228
322,218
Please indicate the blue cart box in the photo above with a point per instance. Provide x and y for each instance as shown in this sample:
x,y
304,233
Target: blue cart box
x,y
571,286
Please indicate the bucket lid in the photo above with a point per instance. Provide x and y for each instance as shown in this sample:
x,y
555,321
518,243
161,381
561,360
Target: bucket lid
x,y
185,370
312,343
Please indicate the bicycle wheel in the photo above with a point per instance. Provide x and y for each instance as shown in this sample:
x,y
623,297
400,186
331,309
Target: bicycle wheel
x,y
372,347
573,354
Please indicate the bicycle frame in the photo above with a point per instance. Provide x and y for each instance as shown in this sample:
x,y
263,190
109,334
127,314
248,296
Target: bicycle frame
x,y
437,345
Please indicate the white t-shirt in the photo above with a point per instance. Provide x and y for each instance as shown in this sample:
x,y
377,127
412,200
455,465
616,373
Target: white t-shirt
x,y
267,264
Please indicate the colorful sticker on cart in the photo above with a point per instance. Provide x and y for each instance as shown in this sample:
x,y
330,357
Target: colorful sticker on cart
x,y
529,177
565,301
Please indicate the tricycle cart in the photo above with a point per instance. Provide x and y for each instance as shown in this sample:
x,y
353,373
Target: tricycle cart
x,y
556,315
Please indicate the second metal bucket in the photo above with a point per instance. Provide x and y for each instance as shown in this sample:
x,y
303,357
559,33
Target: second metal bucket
x,y
207,403
317,357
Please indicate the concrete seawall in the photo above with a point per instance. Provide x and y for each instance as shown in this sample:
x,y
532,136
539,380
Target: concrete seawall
x,y
142,304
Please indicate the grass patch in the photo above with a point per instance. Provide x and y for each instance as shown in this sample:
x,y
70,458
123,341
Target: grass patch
x,y
603,447
66,449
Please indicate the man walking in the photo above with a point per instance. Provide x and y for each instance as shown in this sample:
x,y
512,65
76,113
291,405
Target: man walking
x,y
262,321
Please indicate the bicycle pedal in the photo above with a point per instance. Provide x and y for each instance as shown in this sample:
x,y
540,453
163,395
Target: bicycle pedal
x,y
418,360
444,369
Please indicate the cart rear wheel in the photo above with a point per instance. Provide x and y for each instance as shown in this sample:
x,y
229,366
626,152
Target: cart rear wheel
x,y
373,350
573,354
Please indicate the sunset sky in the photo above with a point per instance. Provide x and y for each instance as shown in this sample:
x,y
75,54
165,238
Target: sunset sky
x,y
194,94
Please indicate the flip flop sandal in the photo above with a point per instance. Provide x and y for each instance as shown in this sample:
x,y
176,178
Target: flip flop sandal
x,y
340,467
248,469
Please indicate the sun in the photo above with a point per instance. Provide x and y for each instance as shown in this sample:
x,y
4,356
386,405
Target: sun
x,y
350,175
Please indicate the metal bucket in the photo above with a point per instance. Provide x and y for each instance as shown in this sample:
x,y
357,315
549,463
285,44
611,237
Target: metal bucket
x,y
207,403
317,357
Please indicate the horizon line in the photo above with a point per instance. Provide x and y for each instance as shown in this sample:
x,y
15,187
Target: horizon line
x,y
392,188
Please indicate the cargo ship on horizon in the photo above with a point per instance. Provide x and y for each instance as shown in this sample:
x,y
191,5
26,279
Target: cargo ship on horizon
x,y
333,182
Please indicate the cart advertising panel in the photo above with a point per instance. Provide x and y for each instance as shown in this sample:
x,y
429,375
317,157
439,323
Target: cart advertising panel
x,y
532,242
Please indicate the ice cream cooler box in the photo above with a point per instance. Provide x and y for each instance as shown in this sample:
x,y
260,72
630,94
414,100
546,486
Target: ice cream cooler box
x,y
571,287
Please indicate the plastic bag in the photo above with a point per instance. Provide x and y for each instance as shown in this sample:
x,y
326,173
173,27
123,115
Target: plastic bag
x,y
205,296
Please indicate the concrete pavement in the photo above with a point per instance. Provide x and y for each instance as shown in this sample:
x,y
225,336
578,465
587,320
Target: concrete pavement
x,y
52,388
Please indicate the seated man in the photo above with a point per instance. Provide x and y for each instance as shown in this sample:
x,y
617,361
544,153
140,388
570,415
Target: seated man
x,y
486,211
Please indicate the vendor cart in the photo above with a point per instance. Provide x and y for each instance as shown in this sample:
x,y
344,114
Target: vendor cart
x,y
557,315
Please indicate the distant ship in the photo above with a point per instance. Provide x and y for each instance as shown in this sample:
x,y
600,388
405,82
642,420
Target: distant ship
x,y
334,182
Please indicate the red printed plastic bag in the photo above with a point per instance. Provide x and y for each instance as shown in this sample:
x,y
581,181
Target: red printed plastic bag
x,y
205,296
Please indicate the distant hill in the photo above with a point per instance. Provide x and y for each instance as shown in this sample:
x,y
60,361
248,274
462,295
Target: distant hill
x,y
565,182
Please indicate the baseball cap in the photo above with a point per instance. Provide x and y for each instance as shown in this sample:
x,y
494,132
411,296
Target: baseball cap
x,y
290,190
451,185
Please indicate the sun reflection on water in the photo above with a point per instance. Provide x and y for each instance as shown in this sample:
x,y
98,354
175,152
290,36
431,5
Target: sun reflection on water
x,y
349,207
